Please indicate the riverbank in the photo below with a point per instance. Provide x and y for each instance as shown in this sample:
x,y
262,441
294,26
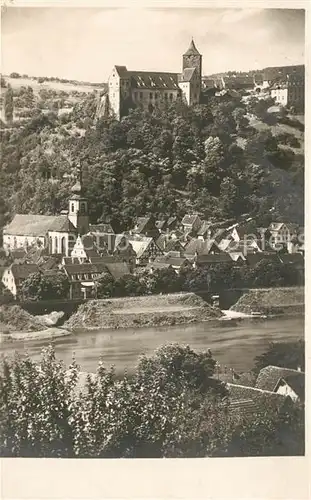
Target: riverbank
x,y
47,334
133,312
272,301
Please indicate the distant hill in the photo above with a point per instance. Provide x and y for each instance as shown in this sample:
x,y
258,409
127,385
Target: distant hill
x,y
268,73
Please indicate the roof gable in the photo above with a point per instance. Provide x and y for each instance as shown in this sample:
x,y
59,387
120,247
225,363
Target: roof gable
x,y
270,375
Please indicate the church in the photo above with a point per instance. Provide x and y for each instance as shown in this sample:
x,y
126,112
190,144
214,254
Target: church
x,y
57,233
144,89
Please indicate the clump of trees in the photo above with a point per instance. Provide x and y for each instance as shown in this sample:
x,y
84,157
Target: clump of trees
x,y
170,161
171,406
40,286
284,354
215,278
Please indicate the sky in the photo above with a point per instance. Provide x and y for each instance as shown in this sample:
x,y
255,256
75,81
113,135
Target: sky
x,y
85,43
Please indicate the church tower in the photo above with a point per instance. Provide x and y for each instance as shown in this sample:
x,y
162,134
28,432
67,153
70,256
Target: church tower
x,y
193,59
78,207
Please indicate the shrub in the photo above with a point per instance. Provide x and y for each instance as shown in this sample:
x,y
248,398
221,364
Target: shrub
x,y
164,410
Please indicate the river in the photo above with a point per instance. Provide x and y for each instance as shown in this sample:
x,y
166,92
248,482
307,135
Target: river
x,y
233,345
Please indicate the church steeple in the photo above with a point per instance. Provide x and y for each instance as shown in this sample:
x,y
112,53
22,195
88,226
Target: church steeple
x,y
78,205
193,59
192,49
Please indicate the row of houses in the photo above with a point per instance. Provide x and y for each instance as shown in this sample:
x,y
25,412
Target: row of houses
x,y
155,244
285,84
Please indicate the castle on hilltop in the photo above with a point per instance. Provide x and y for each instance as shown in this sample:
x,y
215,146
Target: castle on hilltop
x,y
145,89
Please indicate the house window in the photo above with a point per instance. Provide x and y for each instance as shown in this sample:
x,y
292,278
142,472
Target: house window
x,y
82,208
155,95
72,207
165,95
150,95
141,95
55,245
171,97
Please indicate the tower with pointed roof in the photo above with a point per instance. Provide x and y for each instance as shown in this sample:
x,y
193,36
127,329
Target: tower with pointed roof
x,y
78,207
192,59
190,80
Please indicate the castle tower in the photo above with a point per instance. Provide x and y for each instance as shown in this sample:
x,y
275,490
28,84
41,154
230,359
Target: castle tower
x,y
78,207
190,81
193,59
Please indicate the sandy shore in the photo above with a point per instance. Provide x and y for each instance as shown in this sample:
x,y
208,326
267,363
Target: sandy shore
x,y
49,333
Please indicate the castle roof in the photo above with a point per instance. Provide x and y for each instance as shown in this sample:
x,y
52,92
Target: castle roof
x,y
192,50
187,74
121,70
153,80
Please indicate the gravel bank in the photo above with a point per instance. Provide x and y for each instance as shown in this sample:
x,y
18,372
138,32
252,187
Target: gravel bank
x,y
159,310
271,301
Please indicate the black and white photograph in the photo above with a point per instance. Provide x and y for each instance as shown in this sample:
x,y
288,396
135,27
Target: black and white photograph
x,y
152,253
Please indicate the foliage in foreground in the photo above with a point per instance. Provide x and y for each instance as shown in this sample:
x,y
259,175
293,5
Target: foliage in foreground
x,y
284,354
170,407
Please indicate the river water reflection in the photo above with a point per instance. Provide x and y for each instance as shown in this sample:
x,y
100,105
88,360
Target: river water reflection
x,y
234,345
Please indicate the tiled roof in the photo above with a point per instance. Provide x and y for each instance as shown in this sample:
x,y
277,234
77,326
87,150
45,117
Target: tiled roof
x,y
160,224
270,375
171,221
192,50
17,253
141,224
152,80
118,269
51,262
187,74
173,261
22,271
62,224
103,259
158,265
200,246
250,400
37,225
101,228
85,268
189,220
167,244
242,246
122,71
206,226
213,258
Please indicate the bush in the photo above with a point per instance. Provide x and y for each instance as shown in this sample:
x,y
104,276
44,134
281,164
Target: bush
x,y
171,407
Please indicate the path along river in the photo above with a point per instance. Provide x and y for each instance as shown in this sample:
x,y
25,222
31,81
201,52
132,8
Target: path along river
x,y
232,344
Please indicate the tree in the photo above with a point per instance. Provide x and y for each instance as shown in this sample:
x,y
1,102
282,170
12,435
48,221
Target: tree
x,y
284,354
2,82
39,286
104,285
171,407
8,104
